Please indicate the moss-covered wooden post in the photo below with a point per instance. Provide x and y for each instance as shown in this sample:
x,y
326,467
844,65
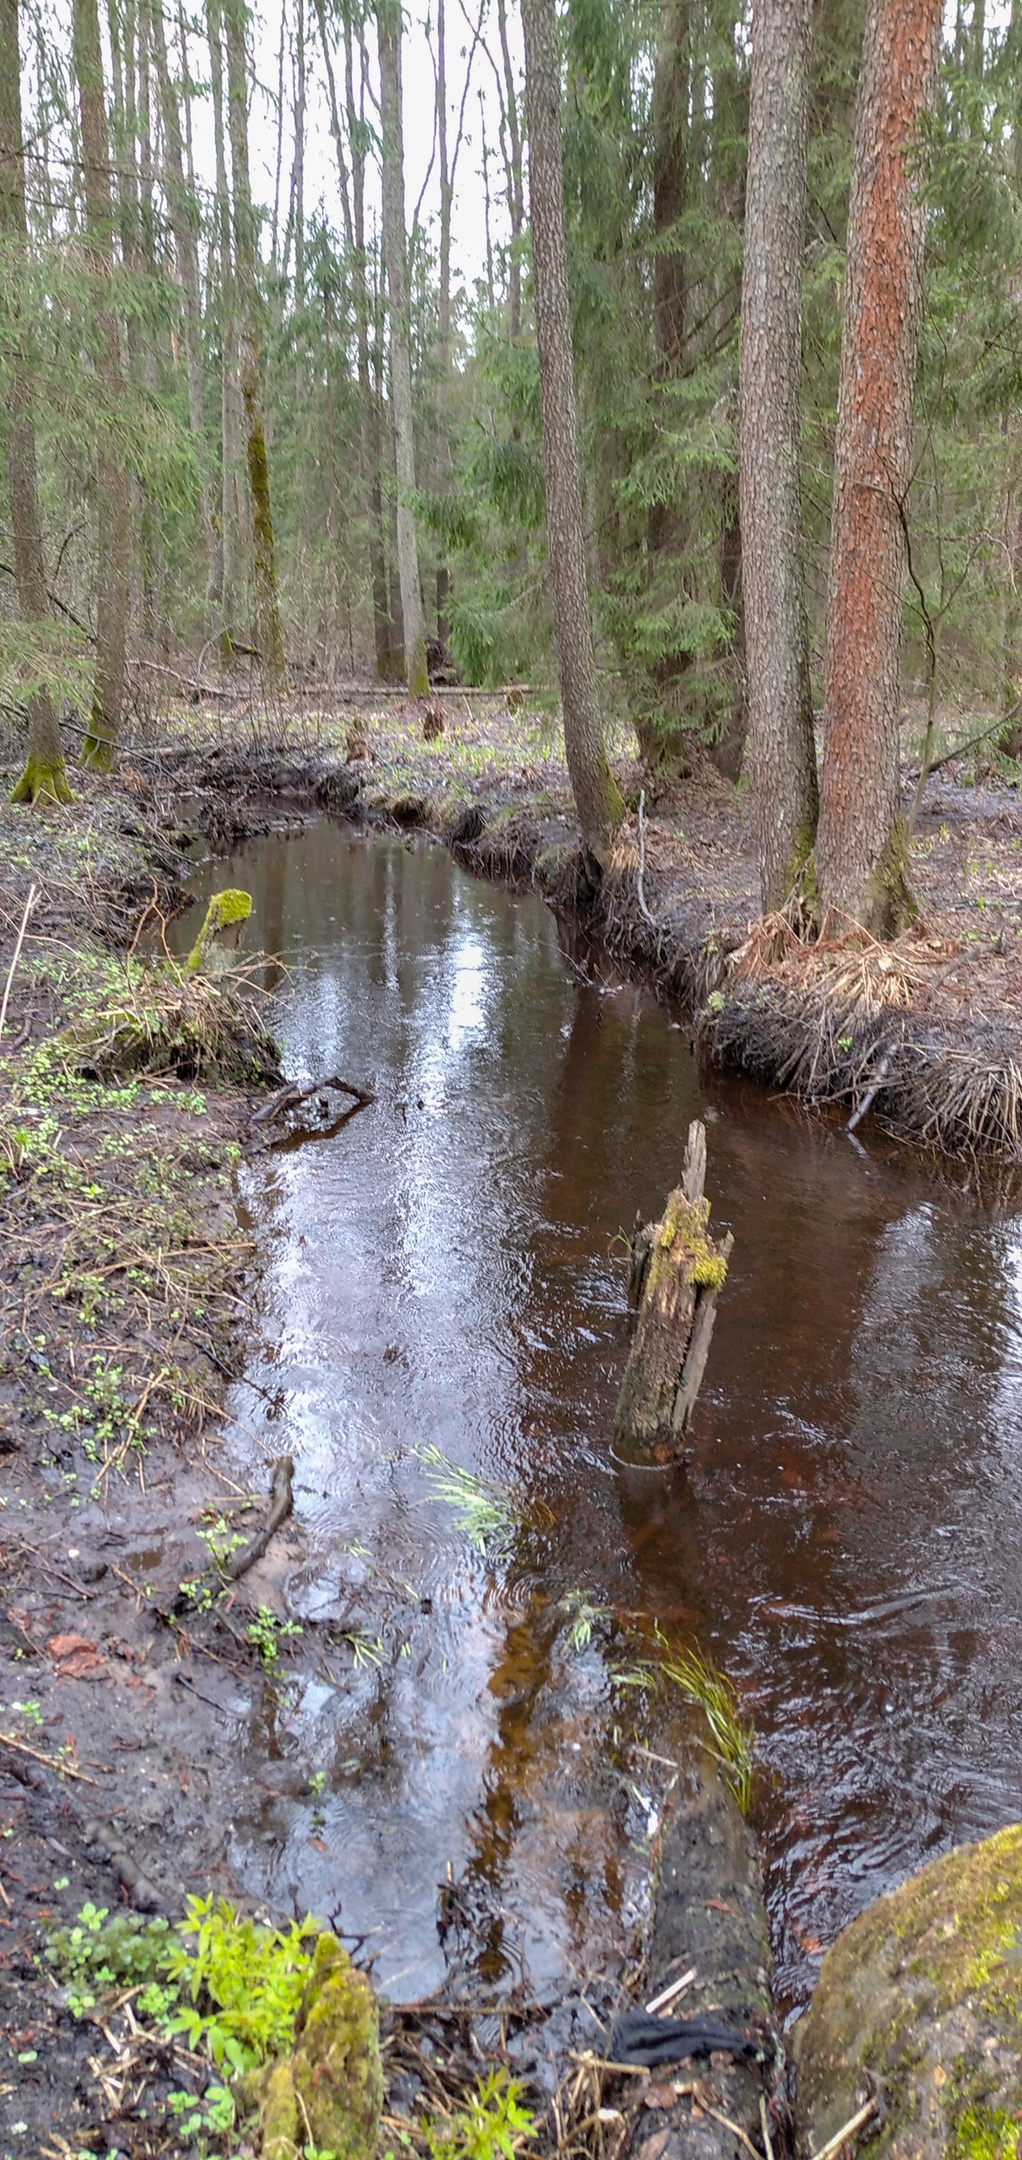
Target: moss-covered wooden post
x,y
220,931
677,1272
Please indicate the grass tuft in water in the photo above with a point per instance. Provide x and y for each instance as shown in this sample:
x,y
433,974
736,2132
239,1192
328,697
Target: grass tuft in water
x,y
483,1515
713,1694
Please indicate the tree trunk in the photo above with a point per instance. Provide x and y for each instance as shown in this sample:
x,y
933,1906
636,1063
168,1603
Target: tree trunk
x,y
183,220
264,563
394,248
44,777
861,845
516,189
353,212
597,800
232,508
676,1274
770,380
112,572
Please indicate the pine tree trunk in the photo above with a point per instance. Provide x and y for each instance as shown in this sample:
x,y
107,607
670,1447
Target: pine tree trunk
x,y
860,855
394,249
597,799
264,562
113,561
770,376
44,776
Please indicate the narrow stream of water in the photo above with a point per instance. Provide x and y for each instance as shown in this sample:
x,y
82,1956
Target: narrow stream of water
x,y
845,1538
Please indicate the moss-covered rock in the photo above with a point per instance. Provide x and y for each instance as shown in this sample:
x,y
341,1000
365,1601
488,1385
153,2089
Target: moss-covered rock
x,y
329,2091
923,1993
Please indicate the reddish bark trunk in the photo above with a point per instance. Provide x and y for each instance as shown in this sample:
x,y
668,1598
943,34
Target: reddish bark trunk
x,y
861,850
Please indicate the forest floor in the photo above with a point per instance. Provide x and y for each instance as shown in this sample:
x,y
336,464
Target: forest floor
x,y
126,1278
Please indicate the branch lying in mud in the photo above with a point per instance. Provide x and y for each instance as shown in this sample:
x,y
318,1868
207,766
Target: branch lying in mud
x,y
281,1504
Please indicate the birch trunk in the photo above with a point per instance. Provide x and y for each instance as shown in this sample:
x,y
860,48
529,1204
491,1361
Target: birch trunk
x,y
770,378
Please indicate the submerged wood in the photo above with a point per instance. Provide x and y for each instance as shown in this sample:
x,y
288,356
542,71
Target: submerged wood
x,y
677,1272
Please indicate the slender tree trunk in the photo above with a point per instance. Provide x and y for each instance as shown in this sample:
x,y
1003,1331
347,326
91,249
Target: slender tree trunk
x,y
352,190
394,248
516,189
861,847
183,220
597,799
232,521
264,562
44,777
770,377
113,565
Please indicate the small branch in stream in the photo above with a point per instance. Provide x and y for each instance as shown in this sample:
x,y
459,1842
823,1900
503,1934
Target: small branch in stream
x,y
290,1097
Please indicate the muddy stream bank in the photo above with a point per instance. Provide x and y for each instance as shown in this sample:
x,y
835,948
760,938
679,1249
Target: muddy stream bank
x,y
442,1274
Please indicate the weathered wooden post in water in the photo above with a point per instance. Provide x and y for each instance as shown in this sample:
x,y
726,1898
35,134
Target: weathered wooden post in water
x,y
676,1274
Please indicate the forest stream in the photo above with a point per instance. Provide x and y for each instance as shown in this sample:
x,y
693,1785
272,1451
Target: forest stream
x,y
445,1274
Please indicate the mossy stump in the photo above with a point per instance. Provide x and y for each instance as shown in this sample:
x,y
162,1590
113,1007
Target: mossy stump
x,y
676,1273
220,931
919,2006
329,2090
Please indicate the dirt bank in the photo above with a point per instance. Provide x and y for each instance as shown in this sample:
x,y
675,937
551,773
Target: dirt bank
x,y
925,1032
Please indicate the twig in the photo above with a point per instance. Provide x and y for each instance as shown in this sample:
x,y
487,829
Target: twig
x,y
974,741
855,2122
33,895
881,1074
60,1769
764,2123
670,1994
735,2128
641,872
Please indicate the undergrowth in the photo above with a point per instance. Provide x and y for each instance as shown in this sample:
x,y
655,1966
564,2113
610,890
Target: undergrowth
x,y
228,1988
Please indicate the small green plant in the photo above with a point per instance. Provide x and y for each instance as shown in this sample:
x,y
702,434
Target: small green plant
x,y
193,2117
482,1514
266,1632
494,2122
99,1952
252,1976
30,1711
583,1616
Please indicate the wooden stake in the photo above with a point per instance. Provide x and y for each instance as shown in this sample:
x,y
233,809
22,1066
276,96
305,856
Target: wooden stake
x,y
676,1275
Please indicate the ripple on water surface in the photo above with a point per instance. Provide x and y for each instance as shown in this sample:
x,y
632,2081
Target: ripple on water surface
x,y
846,1538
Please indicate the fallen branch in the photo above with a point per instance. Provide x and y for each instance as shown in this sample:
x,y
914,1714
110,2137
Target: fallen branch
x,y
290,1097
281,1504
33,895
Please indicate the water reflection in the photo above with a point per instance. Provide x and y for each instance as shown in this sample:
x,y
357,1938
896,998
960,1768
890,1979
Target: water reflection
x,y
845,1538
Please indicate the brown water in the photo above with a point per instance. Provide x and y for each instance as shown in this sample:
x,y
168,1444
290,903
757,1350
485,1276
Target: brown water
x,y
845,1539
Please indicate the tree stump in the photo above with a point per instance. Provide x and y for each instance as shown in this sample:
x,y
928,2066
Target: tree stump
x,y
677,1271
